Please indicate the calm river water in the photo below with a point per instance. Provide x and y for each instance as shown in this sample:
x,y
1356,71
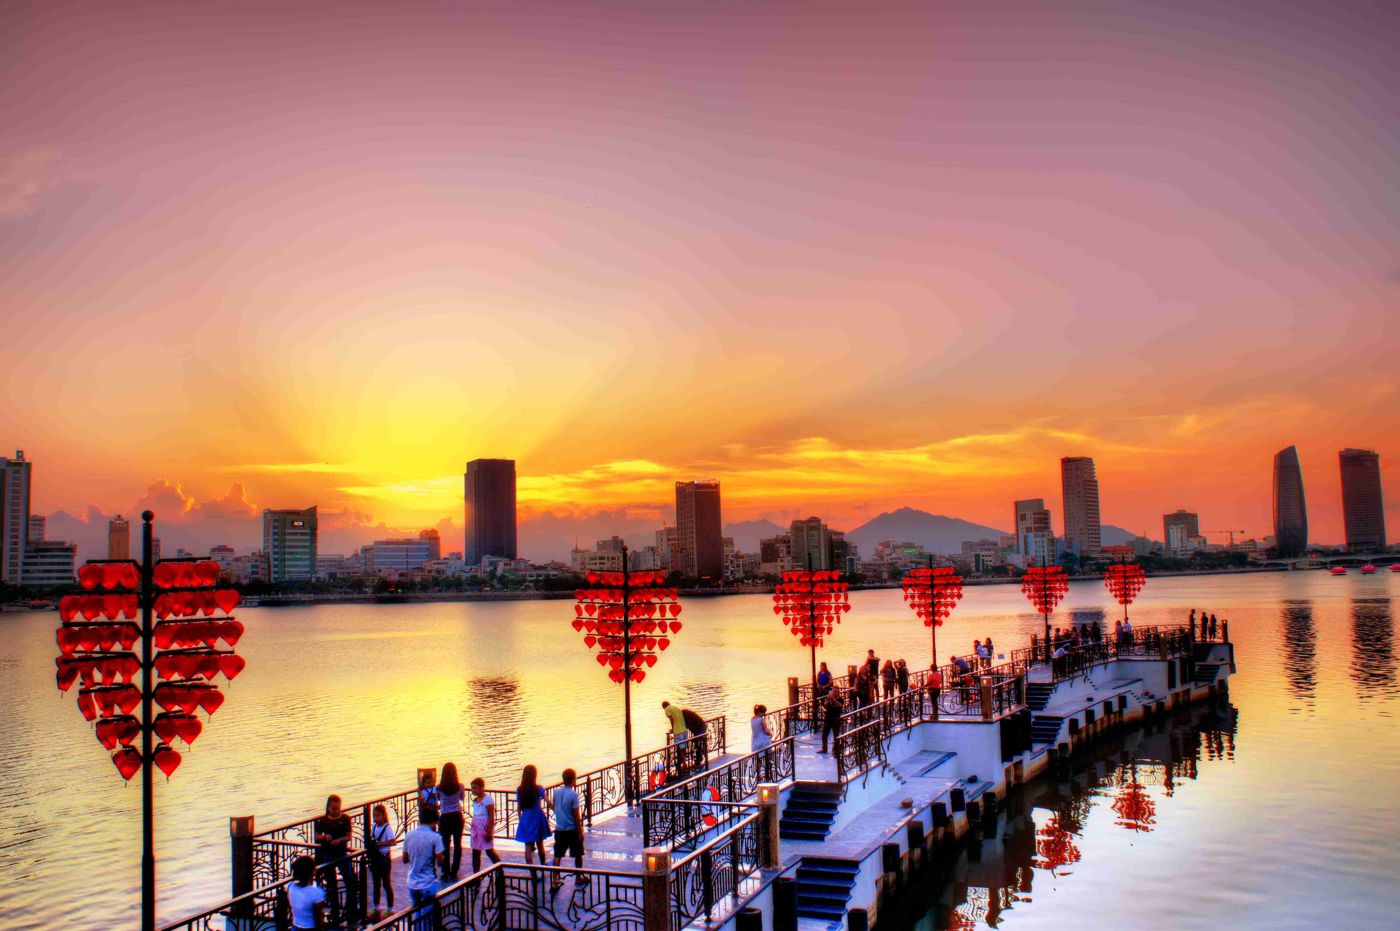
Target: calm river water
x,y
1286,814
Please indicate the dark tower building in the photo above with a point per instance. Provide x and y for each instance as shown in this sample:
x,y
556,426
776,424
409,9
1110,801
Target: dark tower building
x,y
1290,507
1362,507
699,533
489,510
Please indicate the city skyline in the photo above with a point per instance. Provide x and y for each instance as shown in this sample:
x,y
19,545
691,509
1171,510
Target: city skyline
x,y
919,279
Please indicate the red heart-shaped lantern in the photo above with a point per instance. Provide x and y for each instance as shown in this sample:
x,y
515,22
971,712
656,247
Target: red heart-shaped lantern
x,y
127,761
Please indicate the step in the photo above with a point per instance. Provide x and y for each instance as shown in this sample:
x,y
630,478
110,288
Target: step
x,y
833,864
803,834
820,876
837,898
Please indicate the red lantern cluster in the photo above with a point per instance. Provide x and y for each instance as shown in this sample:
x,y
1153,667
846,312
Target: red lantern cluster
x,y
811,602
1124,581
933,593
629,618
1045,586
102,655
185,574
1135,809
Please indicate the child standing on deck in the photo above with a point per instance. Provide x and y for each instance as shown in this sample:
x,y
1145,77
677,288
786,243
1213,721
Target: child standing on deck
x,y
383,839
483,825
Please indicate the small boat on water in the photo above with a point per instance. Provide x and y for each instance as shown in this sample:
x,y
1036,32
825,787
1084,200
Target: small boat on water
x,y
1368,569
1395,567
1338,570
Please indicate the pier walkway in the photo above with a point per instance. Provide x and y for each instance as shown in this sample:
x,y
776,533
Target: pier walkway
x,y
685,836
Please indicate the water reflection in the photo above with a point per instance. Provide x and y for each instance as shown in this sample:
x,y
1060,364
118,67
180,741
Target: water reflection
x,y
1299,652
1373,647
1039,833
494,717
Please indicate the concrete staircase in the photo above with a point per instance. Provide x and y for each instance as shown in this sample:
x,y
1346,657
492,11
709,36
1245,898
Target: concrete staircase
x,y
824,887
810,810
1045,728
1038,695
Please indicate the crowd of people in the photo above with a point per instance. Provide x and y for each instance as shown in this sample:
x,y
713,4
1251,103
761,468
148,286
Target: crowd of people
x,y
433,850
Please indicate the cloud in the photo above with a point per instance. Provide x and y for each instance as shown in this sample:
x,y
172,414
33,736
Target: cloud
x,y
277,468
23,175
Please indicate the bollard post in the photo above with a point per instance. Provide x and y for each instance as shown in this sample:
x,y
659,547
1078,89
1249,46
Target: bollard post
x,y
785,904
656,889
770,854
958,799
914,839
889,854
749,919
986,702
857,919
1224,631
792,691
940,815
240,833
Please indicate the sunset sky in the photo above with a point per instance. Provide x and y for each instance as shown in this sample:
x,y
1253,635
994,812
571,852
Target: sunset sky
x,y
843,257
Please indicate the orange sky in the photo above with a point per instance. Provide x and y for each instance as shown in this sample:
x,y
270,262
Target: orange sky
x,y
914,264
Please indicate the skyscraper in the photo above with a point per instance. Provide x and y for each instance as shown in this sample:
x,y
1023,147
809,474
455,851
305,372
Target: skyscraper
x,y
1362,507
1080,486
811,544
1035,533
119,538
38,528
1290,507
1180,529
14,517
289,540
489,503
699,536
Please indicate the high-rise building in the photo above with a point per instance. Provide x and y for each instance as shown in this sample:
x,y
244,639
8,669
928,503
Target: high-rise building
x,y
699,530
434,541
811,544
1080,486
1290,507
394,556
1035,534
14,516
489,498
49,563
1363,509
289,542
38,528
775,554
1179,528
119,538
667,543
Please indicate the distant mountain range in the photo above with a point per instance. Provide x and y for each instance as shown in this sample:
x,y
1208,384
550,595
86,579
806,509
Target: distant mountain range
x,y
934,532
747,533
1110,535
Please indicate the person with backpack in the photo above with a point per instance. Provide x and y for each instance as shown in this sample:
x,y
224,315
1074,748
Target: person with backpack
x,y
695,727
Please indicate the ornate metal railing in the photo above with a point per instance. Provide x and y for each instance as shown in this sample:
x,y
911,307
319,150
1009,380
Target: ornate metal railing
x,y
517,897
600,791
266,907
860,749
670,820
709,883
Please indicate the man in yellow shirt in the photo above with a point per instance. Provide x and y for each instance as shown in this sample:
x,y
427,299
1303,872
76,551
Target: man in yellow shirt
x,y
679,733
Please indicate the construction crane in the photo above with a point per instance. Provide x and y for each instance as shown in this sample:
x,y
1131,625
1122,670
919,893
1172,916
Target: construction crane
x,y
1231,533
